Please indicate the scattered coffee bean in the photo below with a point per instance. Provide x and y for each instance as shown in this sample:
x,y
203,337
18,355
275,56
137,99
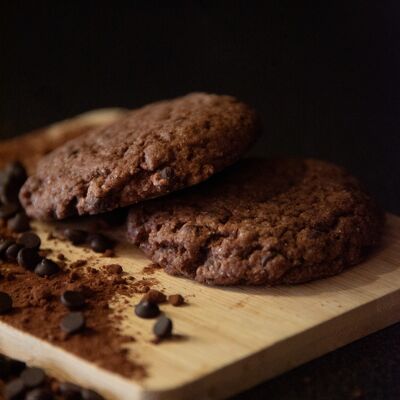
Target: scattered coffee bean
x,y
46,268
73,322
163,327
39,394
28,258
70,391
145,309
6,303
29,240
33,377
8,210
99,243
12,252
176,300
14,390
4,245
88,394
154,296
73,300
19,223
75,236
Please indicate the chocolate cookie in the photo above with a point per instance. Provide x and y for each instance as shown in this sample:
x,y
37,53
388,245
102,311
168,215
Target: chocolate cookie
x,y
154,150
260,223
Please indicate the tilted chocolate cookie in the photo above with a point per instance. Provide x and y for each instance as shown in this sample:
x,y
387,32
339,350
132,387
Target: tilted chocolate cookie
x,y
260,223
154,150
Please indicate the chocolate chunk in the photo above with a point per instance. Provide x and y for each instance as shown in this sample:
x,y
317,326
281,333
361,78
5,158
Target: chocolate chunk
x,y
4,245
46,268
6,303
176,300
10,367
73,300
33,377
29,240
146,309
70,391
19,223
12,252
39,394
99,243
14,390
154,296
8,210
75,236
73,322
163,327
28,258
88,394
15,367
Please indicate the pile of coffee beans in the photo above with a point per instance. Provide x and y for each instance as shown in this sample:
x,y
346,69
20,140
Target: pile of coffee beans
x,y
31,383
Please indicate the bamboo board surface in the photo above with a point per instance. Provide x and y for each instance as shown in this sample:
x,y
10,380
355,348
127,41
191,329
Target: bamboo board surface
x,y
233,338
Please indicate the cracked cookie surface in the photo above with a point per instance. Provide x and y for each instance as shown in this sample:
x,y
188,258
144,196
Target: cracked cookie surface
x,y
152,151
260,222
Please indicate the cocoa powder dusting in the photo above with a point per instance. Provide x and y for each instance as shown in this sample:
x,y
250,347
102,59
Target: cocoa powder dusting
x,y
38,310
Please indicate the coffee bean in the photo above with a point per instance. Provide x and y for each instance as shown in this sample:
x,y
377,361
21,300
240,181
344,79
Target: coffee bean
x,y
14,390
6,303
33,377
88,394
70,391
163,327
145,309
75,236
39,394
12,252
8,210
99,243
28,258
73,322
46,267
73,300
29,240
19,223
4,245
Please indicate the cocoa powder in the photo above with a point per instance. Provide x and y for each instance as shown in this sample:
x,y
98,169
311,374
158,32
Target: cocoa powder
x,y
38,310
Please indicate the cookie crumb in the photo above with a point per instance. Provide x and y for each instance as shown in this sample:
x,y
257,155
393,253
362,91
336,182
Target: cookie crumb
x,y
176,300
155,296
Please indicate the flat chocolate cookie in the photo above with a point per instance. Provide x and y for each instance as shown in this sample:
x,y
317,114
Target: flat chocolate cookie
x,y
260,223
152,151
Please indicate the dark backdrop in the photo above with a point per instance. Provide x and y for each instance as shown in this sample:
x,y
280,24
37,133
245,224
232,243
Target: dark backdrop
x,y
324,76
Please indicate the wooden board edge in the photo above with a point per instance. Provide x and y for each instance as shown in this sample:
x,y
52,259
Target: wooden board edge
x,y
57,362
269,363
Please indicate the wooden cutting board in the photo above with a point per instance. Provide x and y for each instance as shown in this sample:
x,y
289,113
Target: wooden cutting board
x,y
232,338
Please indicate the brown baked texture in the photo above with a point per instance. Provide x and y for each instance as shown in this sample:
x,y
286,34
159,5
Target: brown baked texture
x,y
260,223
31,147
156,149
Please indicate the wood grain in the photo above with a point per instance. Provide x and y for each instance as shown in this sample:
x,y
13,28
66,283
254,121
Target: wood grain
x,y
231,338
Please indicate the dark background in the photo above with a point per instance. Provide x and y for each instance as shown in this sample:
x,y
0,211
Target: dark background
x,y
324,77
